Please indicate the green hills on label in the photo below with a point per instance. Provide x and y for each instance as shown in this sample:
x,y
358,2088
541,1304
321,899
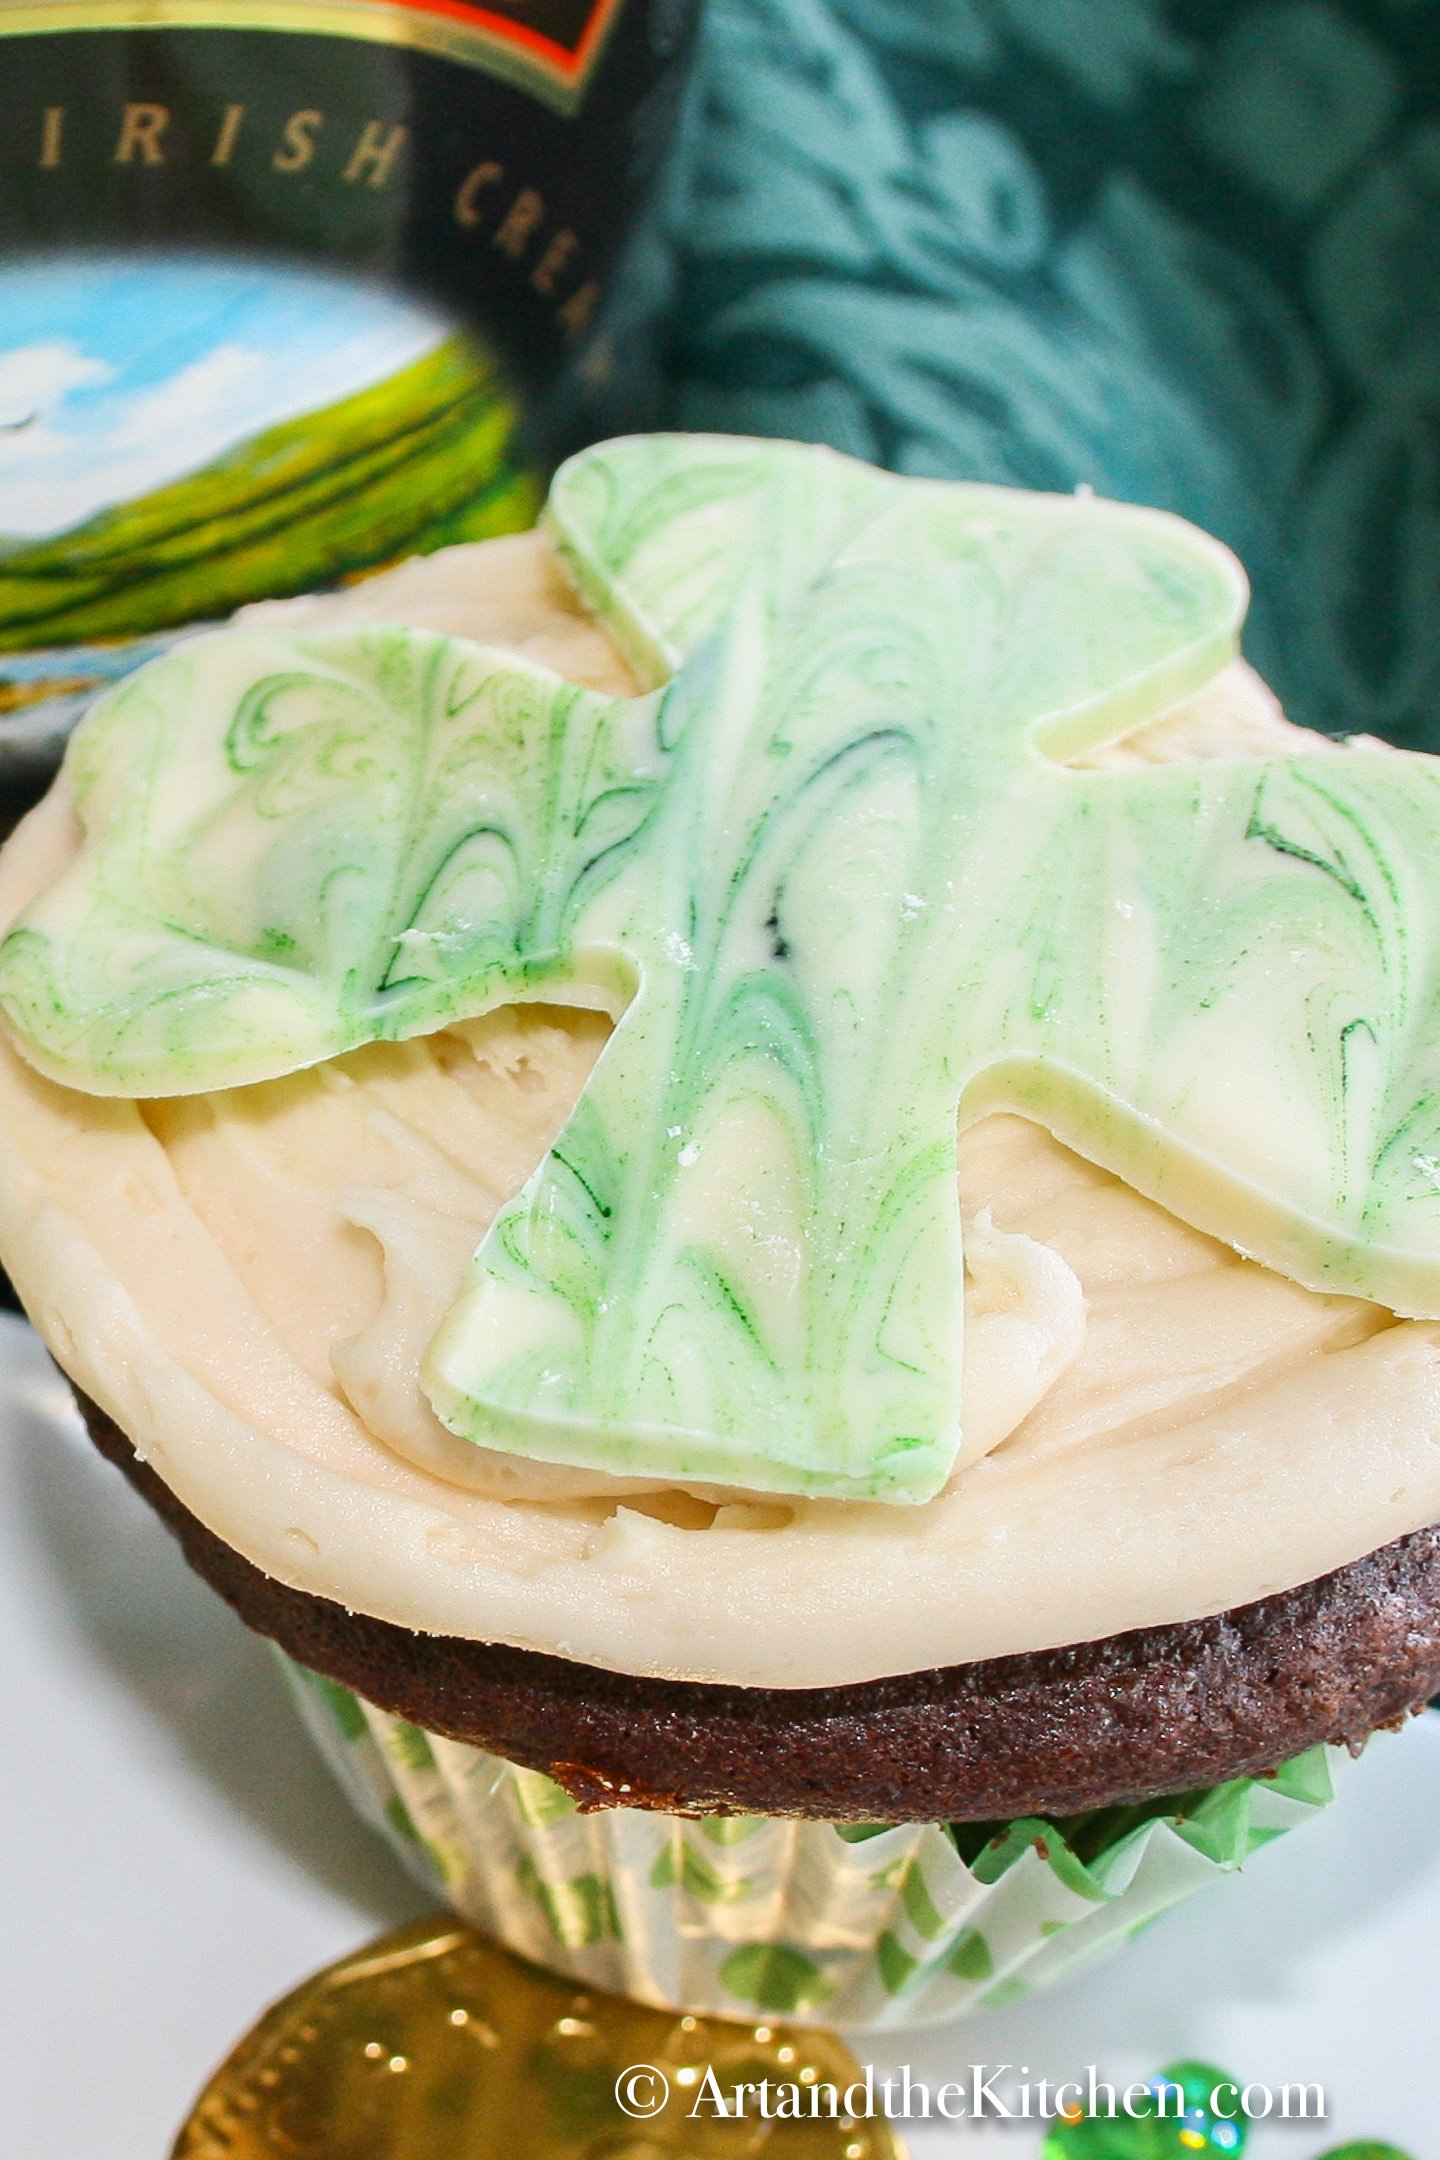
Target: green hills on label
x,y
418,461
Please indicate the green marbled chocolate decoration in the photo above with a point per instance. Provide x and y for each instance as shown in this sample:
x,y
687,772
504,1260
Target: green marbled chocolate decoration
x,y
839,886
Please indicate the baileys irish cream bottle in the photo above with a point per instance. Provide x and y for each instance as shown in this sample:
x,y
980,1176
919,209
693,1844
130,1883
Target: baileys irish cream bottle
x,y
292,289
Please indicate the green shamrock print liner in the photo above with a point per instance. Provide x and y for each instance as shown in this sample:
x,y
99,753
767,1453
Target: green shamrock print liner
x,y
834,883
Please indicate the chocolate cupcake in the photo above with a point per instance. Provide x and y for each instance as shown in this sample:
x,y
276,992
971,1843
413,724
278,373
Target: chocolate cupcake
x,y
478,1126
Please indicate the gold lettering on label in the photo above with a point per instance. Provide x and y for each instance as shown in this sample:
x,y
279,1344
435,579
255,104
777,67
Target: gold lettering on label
x,y
574,317
140,131
228,136
556,258
513,236
472,187
52,136
297,143
375,153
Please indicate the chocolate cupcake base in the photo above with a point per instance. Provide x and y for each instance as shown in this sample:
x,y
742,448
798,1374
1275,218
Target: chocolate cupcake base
x,y
865,1926
1102,1724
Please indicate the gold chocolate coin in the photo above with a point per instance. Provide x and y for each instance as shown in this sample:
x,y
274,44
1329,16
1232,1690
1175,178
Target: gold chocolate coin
x,y
434,2044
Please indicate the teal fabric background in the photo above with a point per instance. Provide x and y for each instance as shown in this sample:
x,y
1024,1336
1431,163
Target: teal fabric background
x,y
1182,250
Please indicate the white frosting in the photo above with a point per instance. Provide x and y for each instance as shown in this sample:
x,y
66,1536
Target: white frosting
x,y
1156,1428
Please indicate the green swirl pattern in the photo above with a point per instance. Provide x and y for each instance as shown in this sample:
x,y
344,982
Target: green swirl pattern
x,y
1182,250
833,883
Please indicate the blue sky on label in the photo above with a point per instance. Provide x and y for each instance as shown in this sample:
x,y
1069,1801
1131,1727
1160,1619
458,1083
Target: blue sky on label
x,y
118,374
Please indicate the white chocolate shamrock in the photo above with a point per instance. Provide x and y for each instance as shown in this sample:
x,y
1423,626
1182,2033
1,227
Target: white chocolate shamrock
x,y
835,886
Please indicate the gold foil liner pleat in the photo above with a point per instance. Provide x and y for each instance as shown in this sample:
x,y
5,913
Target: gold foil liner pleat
x,y
434,2044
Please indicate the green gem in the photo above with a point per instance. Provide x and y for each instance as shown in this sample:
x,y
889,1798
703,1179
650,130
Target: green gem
x,y
1177,2119
1366,2149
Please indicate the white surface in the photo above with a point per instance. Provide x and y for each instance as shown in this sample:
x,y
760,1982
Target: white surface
x,y
174,1857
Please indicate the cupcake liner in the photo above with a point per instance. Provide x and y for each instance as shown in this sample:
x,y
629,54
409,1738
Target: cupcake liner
x,y
814,1922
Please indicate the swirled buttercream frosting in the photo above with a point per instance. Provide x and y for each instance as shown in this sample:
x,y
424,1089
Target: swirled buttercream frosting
x,y
247,1279
833,884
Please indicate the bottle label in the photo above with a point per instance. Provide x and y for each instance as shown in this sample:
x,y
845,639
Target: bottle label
x,y
548,47
291,290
